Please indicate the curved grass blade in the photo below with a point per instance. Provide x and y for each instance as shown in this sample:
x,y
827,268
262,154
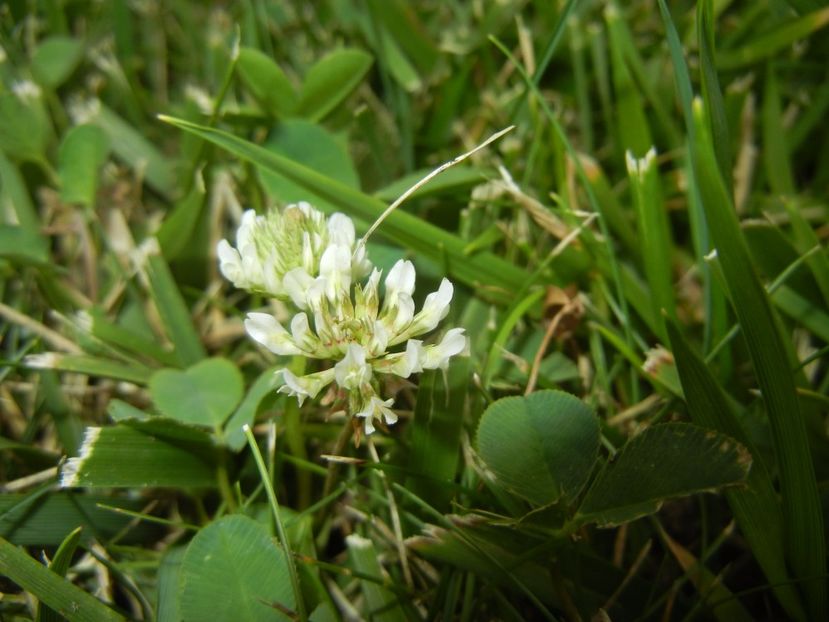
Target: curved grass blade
x,y
484,271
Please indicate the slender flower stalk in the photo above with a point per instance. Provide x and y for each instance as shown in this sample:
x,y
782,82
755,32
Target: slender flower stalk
x,y
315,266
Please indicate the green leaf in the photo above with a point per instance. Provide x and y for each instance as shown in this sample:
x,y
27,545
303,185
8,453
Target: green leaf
x,y
313,146
173,311
156,452
764,45
541,447
711,92
489,274
82,152
266,82
24,127
664,461
631,123
16,205
54,60
176,232
119,410
330,81
23,245
67,599
776,159
204,394
233,570
245,413
59,565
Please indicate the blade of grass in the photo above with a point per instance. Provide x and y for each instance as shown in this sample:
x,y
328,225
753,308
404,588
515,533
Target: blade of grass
x,y
153,453
776,159
57,593
654,234
89,365
767,44
711,92
59,565
803,516
173,311
631,123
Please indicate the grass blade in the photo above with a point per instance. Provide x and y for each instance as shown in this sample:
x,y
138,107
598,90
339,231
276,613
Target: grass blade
x,y
768,44
803,517
69,600
173,311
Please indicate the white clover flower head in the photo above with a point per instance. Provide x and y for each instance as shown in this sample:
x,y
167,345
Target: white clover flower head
x,y
270,246
320,268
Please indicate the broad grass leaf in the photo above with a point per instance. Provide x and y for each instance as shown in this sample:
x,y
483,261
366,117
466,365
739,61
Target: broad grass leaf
x,y
138,454
204,394
312,145
665,461
541,447
330,81
233,570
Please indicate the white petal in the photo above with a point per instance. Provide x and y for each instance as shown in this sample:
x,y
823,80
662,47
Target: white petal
x,y
437,356
230,263
376,408
298,284
404,313
379,339
411,360
304,386
265,329
335,268
244,234
300,329
435,308
341,230
352,371
360,263
401,279
369,425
